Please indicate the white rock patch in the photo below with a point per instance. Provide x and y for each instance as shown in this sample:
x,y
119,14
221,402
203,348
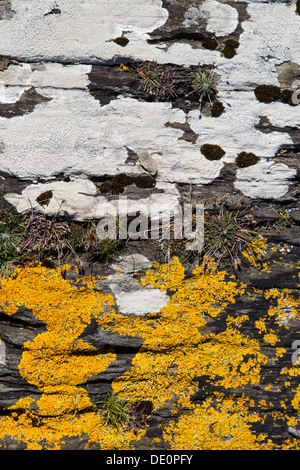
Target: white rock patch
x,y
80,200
83,30
139,302
73,134
222,19
264,180
132,298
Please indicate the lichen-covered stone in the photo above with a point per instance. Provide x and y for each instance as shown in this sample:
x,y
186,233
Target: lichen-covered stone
x,y
208,348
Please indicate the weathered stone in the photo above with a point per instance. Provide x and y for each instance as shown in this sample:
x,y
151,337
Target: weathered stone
x,y
148,163
77,133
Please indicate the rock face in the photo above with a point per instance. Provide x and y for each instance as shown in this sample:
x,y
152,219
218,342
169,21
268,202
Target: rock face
x,y
87,136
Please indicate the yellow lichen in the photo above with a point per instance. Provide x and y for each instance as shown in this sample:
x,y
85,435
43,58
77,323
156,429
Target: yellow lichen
x,y
174,351
217,424
287,307
255,251
177,348
57,361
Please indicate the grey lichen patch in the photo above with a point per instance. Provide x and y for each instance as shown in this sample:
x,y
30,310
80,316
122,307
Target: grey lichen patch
x,y
26,104
6,12
148,163
288,73
132,158
244,159
4,63
264,124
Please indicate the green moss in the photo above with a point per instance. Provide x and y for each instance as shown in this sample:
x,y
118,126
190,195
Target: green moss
x,y
245,159
145,181
118,182
286,96
123,179
217,109
210,43
44,198
121,41
230,47
111,187
268,93
212,152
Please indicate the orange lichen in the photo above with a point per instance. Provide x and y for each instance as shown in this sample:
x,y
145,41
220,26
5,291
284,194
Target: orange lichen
x,y
178,347
255,251
175,351
287,307
57,361
220,423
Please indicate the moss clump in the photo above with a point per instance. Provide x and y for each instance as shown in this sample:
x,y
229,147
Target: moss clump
x,y
268,93
230,47
217,109
245,159
210,43
145,181
112,187
121,41
44,198
123,179
118,183
212,152
286,96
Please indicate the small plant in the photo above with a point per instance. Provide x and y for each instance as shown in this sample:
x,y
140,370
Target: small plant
x,y
108,248
156,80
229,232
138,413
284,221
85,239
204,85
120,413
45,234
12,234
114,411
